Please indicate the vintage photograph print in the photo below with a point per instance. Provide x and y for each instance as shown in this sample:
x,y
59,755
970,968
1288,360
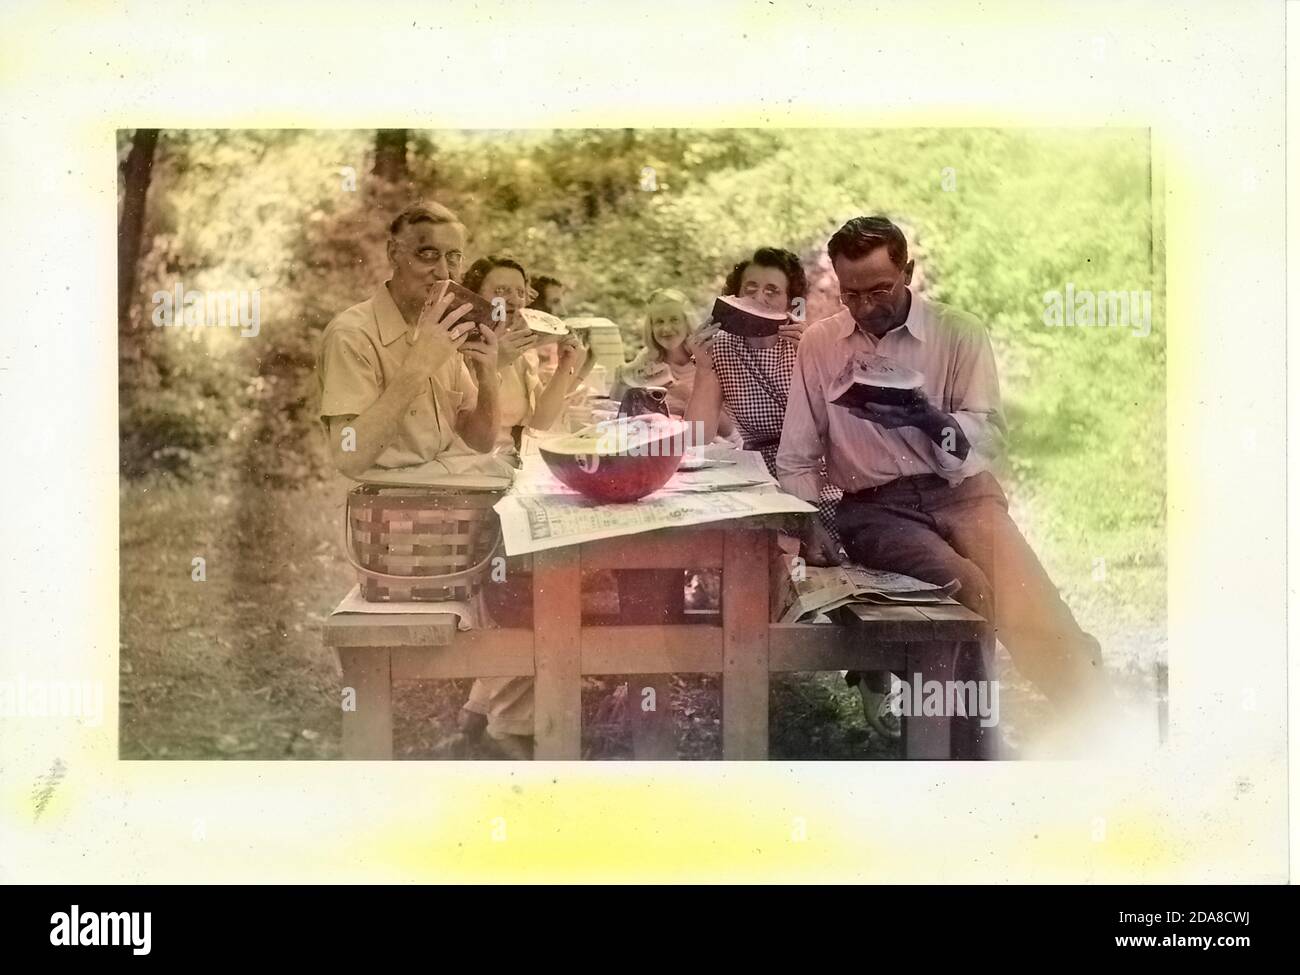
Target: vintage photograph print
x,y
627,444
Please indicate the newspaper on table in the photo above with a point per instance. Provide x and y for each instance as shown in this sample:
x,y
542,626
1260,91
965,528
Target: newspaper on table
x,y
814,591
724,483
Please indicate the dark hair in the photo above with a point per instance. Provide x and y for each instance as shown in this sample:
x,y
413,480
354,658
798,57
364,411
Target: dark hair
x,y
540,284
422,213
784,261
861,235
480,269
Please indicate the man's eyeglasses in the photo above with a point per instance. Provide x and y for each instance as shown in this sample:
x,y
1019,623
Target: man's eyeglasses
x,y
876,296
431,255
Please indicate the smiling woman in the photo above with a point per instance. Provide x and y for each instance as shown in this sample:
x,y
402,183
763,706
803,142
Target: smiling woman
x,y
668,358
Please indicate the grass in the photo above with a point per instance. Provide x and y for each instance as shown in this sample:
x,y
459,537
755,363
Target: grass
x,y
233,667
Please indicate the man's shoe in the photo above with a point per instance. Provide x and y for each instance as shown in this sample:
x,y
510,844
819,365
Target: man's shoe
x,y
883,709
471,724
516,748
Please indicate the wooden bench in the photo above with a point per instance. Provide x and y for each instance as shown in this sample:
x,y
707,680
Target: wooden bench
x,y
920,643
375,650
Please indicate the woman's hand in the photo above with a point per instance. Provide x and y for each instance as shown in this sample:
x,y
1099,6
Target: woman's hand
x,y
513,342
703,338
571,354
792,330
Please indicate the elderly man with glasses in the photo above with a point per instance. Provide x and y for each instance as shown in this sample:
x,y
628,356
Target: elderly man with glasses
x,y
395,370
918,496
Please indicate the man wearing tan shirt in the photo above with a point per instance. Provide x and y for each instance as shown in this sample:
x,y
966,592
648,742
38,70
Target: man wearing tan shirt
x,y
395,386
918,497
396,390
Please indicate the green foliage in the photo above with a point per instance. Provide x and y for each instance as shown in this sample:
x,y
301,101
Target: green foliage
x,y
1030,212
228,211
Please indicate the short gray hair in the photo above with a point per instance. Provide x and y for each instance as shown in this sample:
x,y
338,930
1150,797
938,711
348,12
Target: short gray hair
x,y
423,213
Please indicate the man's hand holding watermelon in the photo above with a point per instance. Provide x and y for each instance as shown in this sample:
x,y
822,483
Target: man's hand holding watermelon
x,y
922,414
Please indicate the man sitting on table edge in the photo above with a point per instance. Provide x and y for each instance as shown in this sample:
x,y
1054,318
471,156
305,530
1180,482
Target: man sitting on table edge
x,y
918,497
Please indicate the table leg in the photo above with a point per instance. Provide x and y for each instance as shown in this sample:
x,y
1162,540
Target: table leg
x,y
745,581
979,663
368,731
557,649
653,736
928,737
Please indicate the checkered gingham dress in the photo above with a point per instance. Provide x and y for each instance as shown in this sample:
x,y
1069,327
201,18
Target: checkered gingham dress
x,y
755,385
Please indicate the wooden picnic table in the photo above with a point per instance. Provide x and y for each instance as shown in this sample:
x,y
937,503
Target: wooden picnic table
x,y
559,649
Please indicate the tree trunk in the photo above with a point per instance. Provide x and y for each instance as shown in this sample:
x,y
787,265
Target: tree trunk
x,y
137,170
390,155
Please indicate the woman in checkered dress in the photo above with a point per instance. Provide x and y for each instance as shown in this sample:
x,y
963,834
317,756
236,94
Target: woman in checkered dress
x,y
748,379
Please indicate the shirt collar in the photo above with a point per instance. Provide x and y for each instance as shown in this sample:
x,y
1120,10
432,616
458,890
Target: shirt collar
x,y
392,326
915,323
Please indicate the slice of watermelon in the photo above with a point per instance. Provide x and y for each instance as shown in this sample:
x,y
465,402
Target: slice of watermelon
x,y
480,309
543,323
868,379
744,316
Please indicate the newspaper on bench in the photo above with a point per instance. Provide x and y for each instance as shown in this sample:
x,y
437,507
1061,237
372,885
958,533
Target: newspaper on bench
x,y
814,591
541,513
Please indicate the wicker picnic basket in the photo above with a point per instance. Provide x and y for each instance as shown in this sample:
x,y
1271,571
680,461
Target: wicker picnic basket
x,y
415,544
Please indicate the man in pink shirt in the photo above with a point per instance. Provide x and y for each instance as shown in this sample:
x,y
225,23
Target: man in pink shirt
x,y
918,497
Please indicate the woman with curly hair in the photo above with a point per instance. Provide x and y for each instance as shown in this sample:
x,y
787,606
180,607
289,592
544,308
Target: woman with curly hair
x,y
748,379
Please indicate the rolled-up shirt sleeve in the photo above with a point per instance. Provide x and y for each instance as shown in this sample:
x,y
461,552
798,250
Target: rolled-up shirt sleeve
x,y
799,457
349,374
975,403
